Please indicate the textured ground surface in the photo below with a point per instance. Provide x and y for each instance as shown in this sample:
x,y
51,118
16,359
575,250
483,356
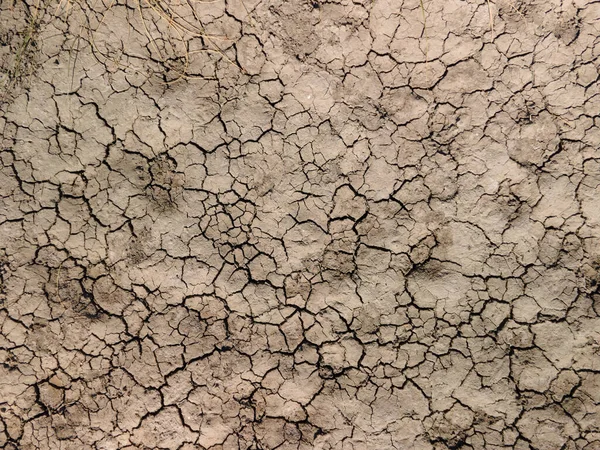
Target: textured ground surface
x,y
360,233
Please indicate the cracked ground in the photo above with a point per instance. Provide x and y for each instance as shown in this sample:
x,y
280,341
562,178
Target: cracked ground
x,y
368,224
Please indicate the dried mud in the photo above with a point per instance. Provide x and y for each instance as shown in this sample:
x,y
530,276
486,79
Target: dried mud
x,y
357,225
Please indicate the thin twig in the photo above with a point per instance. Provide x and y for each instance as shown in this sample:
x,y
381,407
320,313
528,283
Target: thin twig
x,y
491,18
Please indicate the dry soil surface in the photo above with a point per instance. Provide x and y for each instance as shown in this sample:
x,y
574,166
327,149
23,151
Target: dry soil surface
x,y
368,224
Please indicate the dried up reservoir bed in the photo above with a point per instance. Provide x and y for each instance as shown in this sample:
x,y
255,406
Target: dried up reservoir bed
x,y
324,224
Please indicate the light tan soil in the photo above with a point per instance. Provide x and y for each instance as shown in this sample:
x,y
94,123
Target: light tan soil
x,y
343,229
